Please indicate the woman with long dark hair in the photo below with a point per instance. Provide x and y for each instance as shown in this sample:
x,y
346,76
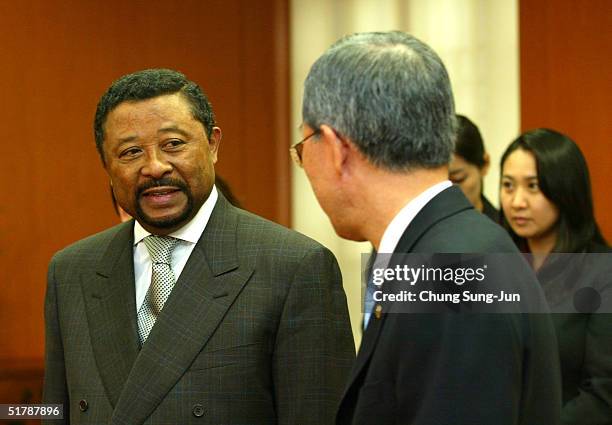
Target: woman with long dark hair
x,y
548,209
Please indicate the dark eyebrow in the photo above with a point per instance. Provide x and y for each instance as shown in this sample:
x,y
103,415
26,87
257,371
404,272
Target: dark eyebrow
x,y
173,129
168,129
505,176
127,139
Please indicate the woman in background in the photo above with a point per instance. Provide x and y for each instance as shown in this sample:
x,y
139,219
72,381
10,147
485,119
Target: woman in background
x,y
547,208
469,165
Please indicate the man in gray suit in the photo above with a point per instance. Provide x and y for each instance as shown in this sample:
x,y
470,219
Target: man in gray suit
x,y
196,312
378,124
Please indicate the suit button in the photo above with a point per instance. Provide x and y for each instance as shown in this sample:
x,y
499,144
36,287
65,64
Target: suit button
x,y
198,411
83,405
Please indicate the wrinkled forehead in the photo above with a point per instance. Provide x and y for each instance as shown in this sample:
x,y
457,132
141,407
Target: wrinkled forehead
x,y
161,113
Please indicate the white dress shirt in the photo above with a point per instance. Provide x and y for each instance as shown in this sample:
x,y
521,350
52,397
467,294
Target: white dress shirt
x,y
394,231
188,236
396,228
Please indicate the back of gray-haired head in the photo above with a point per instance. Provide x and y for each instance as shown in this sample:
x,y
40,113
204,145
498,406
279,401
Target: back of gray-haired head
x,y
390,94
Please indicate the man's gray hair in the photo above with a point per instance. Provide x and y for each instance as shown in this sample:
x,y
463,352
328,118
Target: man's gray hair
x,y
390,94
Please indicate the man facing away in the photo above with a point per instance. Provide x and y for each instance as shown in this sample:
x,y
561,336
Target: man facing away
x,y
378,125
196,312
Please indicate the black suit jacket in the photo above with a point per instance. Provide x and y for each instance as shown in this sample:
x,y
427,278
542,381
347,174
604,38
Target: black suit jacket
x,y
585,339
456,369
255,331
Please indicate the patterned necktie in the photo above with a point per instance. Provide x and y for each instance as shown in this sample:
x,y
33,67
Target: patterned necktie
x,y
162,281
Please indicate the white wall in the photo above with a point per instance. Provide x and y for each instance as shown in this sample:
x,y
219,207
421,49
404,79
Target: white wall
x,y
478,42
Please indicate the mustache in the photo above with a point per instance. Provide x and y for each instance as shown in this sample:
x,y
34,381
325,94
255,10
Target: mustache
x,y
166,181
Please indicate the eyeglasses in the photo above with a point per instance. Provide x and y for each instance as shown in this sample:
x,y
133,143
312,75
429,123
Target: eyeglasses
x,y
296,150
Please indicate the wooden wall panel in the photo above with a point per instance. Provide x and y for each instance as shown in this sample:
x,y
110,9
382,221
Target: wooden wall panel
x,y
566,83
57,58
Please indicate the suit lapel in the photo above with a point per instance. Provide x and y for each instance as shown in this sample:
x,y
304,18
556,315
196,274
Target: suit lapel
x,y
110,305
368,343
448,202
207,287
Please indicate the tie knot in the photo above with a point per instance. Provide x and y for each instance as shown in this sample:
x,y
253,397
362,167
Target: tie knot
x,y
160,248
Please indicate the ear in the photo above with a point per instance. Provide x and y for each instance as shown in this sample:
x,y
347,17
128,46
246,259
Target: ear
x,y
213,143
487,162
339,148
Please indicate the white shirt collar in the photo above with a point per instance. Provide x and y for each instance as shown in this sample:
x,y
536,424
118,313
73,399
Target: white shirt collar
x,y
190,232
404,217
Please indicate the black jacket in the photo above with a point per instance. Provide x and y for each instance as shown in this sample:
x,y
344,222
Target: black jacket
x,y
459,369
585,339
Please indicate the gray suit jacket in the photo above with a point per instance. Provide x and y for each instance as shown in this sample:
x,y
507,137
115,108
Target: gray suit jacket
x,y
256,331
